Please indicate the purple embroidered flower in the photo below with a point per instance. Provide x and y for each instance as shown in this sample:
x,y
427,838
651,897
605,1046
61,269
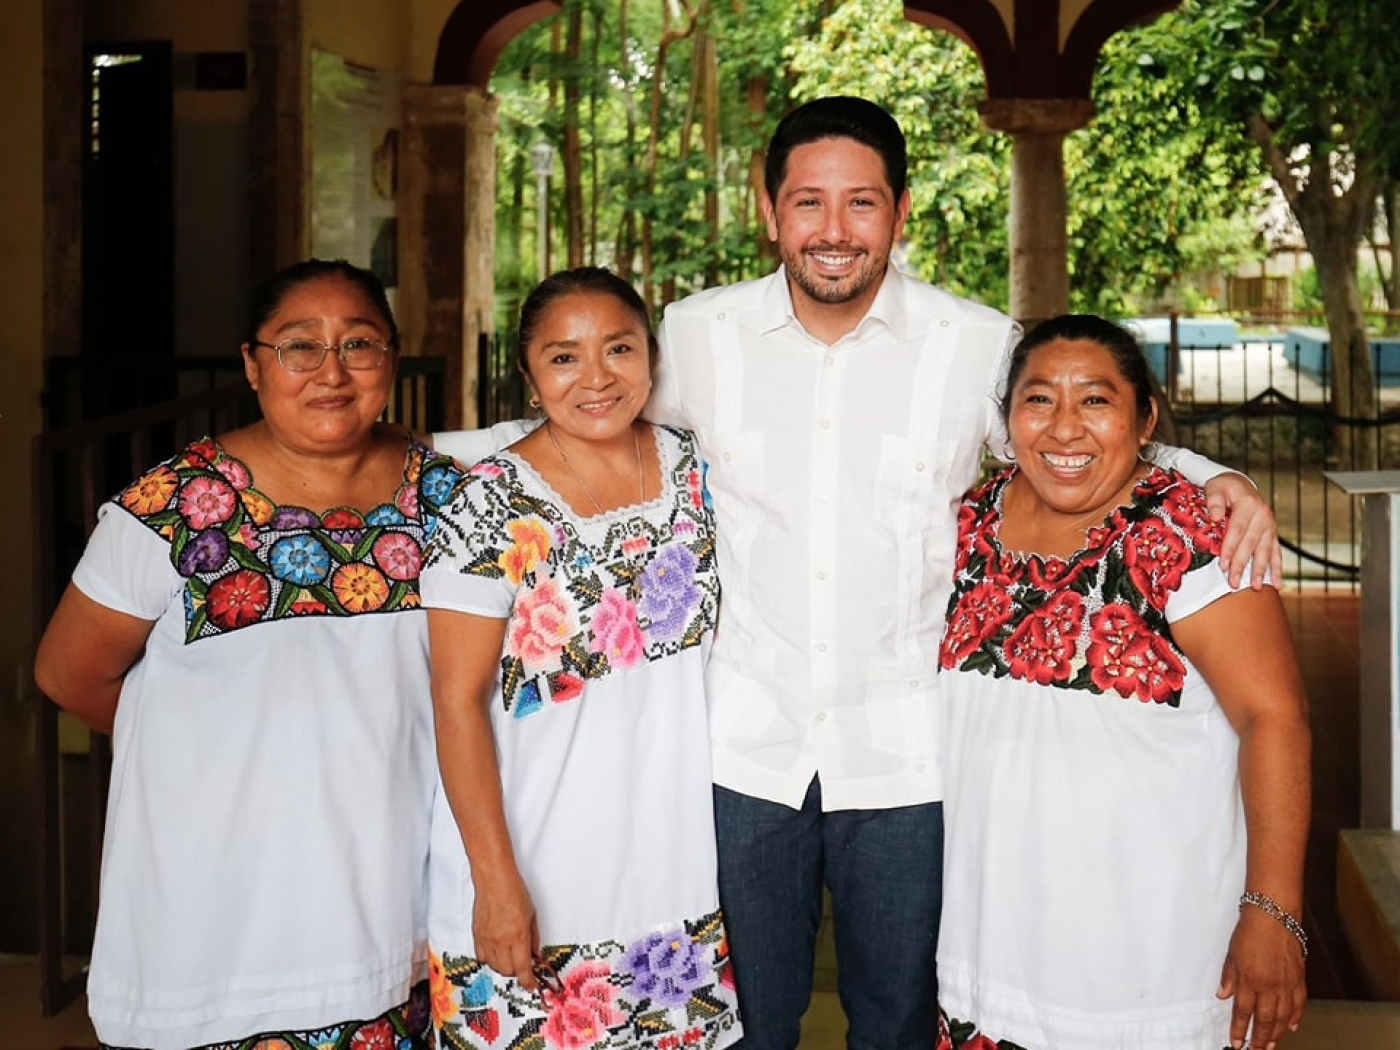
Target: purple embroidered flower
x,y
669,593
293,518
667,966
205,552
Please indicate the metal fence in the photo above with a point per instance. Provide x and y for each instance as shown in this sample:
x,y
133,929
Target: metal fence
x,y
1263,404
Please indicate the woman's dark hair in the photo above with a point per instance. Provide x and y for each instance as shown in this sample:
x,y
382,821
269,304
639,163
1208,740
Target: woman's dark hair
x,y
268,297
584,280
838,117
1118,341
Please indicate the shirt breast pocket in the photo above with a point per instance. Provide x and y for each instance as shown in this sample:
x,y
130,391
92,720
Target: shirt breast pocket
x,y
736,465
914,478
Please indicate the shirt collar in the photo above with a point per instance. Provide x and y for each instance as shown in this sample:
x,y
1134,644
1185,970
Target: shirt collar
x,y
889,307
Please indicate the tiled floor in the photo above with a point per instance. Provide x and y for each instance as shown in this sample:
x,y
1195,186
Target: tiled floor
x,y
1339,1016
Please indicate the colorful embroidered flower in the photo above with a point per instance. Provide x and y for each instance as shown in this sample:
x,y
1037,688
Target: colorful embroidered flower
x,y
302,560
486,470
377,1035
669,592
398,555
1157,559
1040,650
293,518
256,506
207,501
1186,506
201,453
325,1039
666,966
438,483
485,1023
343,518
272,1043
306,605
238,599
385,514
406,501
152,492
442,991
529,546
581,1014
205,552
695,488
614,631
976,617
234,472
544,620
1127,657
360,588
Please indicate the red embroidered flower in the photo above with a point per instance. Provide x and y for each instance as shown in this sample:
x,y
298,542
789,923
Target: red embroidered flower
x,y
1049,574
1042,648
343,518
1186,506
376,1036
977,616
486,1023
581,1014
1157,559
238,599
565,687
1127,657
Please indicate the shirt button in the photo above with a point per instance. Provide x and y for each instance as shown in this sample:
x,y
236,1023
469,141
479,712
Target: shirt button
x,y
720,316
821,647
829,360
919,467
821,716
918,767
913,683
727,457
826,424
942,322
821,575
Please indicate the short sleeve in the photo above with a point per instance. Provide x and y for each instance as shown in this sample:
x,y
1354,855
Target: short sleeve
x,y
664,405
470,446
126,567
481,548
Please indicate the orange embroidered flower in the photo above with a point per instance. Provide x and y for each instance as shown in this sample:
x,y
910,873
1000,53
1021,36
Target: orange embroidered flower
x,y
151,492
360,588
257,506
443,995
531,547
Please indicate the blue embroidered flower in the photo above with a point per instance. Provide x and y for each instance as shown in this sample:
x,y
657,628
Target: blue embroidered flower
x,y
205,552
385,514
326,1038
301,560
666,967
437,483
669,593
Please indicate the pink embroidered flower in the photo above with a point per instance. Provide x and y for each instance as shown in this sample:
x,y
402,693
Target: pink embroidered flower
x,y
407,501
234,472
398,555
486,470
615,632
544,620
207,501
581,1014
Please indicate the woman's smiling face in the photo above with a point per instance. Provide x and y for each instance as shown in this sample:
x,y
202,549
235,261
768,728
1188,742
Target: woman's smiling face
x,y
1075,427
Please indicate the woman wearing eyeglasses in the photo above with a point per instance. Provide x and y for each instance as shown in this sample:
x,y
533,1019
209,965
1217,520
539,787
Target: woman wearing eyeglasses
x,y
246,623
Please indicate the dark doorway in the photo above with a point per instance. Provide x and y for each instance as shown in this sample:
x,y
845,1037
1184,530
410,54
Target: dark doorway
x,y
128,228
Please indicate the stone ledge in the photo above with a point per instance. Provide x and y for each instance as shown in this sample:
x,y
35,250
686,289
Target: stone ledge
x,y
1368,902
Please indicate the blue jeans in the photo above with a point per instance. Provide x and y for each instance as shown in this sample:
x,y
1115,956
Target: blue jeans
x,y
884,868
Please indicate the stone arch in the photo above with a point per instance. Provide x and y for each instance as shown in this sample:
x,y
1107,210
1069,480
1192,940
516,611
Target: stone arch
x,y
477,32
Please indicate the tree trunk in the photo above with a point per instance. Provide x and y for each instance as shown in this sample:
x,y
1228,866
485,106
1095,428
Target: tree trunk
x,y
573,163
757,104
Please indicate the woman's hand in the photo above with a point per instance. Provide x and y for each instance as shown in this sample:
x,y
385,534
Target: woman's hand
x,y
506,935
1264,973
1251,533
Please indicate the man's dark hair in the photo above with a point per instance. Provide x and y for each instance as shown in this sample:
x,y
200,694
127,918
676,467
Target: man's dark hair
x,y
838,117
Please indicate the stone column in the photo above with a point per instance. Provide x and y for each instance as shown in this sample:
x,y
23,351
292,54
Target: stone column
x,y
1039,266
447,232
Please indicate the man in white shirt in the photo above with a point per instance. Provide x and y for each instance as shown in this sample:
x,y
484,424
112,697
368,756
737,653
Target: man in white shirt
x,y
843,409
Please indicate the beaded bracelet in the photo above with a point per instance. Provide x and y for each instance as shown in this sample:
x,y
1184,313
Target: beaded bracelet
x,y
1270,907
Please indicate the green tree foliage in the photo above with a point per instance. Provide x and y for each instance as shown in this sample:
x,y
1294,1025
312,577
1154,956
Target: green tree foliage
x,y
1158,188
1316,83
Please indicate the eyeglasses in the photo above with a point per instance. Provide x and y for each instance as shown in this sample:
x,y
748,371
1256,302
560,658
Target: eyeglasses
x,y
307,355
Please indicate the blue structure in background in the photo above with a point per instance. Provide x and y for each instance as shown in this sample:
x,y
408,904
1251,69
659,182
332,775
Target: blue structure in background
x,y
1193,333
1309,351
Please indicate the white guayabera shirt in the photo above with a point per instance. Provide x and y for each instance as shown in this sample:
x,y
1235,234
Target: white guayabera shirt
x,y
836,473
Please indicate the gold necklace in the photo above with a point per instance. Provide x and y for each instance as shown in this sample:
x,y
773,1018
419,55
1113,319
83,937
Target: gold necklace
x,y
636,447
634,570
